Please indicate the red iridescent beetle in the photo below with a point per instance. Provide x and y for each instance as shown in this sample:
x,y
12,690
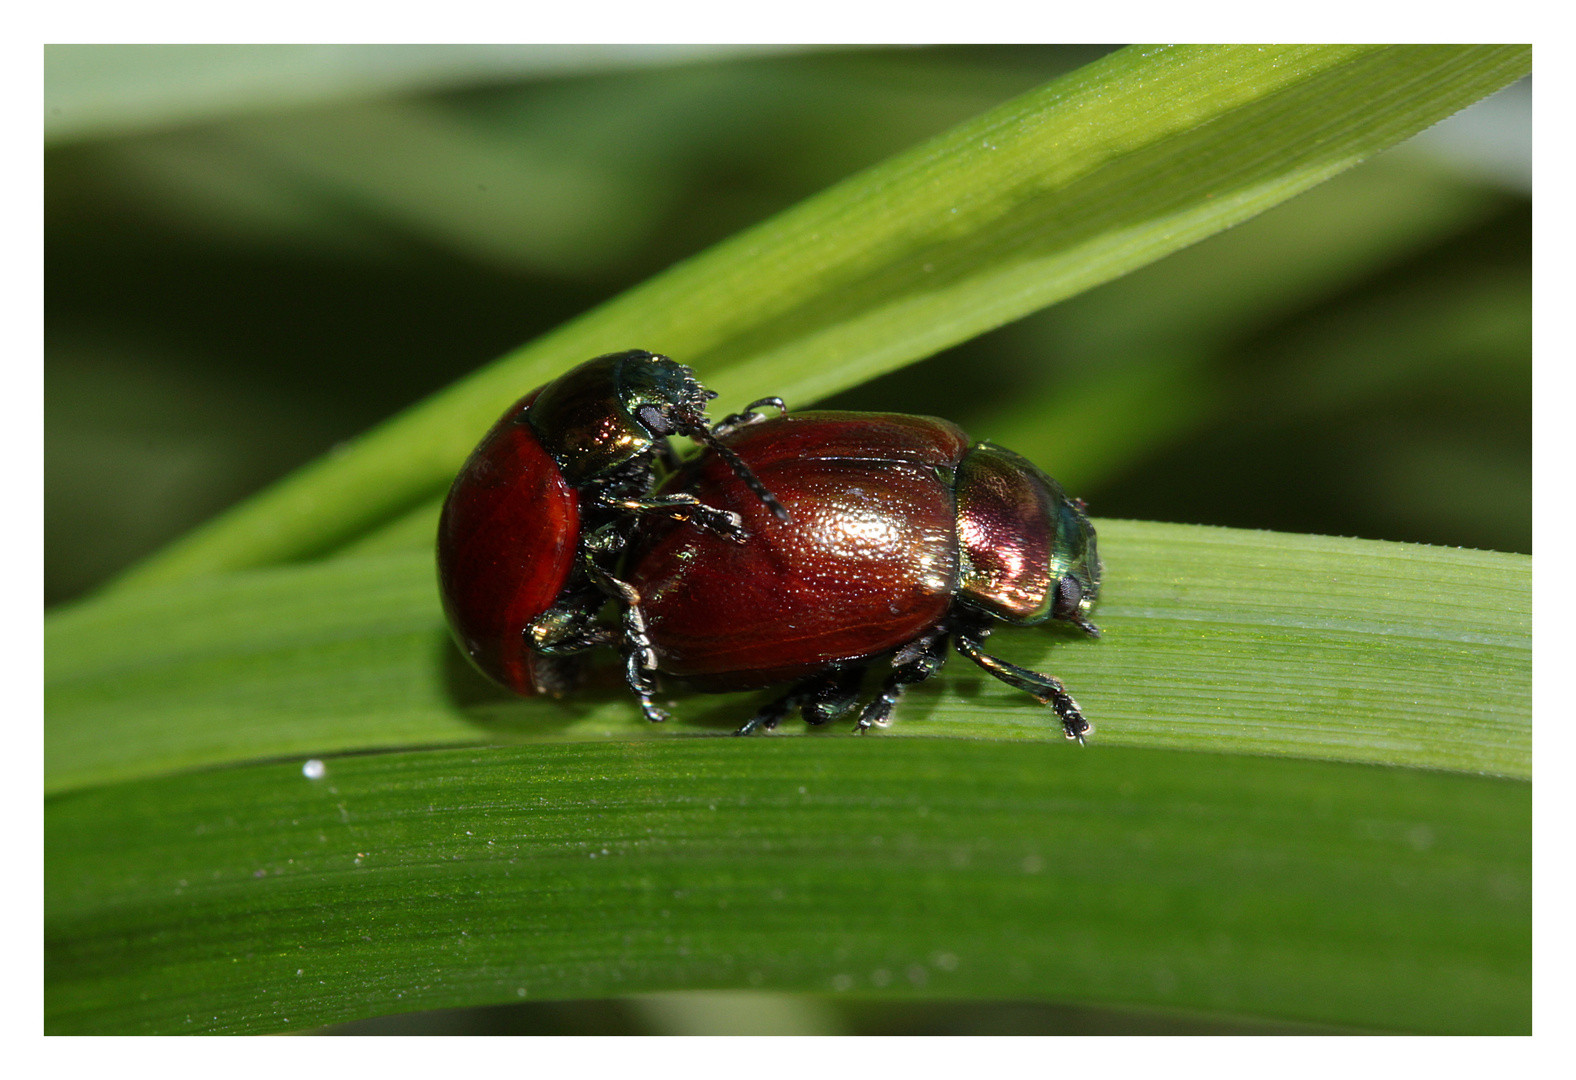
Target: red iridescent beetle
x,y
534,524
901,535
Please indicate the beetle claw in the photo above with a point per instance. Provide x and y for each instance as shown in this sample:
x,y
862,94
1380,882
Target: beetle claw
x,y
724,523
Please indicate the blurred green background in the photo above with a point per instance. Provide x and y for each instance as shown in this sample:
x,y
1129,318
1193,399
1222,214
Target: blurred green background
x,y
256,253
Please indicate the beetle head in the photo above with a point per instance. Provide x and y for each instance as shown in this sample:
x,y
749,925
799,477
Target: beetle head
x,y
1078,559
662,396
666,399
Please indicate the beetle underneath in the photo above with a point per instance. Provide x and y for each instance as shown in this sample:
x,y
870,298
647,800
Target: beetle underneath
x,y
902,536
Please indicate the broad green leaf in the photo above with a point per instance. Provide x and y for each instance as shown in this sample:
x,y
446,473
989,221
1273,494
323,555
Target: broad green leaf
x,y
1097,173
256,899
1216,639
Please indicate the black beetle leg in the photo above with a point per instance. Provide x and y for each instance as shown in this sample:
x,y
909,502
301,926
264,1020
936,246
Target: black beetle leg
x,y
819,698
729,424
640,659
771,714
558,635
554,676
836,692
913,663
570,625
685,508
1046,688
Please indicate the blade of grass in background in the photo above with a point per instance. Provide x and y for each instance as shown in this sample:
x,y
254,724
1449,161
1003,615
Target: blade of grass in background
x,y
1215,639
601,179
1125,368
98,90
1341,894
1100,172
1138,363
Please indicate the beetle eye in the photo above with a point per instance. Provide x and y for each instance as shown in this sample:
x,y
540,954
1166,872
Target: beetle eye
x,y
1069,594
655,420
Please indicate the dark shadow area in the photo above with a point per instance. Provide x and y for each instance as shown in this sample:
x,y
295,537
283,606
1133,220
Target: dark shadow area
x,y
610,1017
500,712
1423,440
633,1016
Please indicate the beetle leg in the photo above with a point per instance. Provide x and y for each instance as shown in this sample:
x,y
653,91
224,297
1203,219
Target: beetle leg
x,y
640,659
729,424
819,698
685,508
836,692
570,626
1046,688
770,715
914,662
643,686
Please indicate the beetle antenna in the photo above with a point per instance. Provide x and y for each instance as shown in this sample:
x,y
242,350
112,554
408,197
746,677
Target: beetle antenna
x,y
703,434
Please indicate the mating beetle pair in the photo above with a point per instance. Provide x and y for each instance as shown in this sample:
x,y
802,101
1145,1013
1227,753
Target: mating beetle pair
x,y
796,548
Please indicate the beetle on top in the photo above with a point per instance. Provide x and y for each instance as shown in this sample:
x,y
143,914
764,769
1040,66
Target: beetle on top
x,y
530,534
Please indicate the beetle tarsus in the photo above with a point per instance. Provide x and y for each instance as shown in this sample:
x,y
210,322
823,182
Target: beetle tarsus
x,y
768,716
683,508
1046,688
729,424
724,523
640,658
820,699
637,672
913,663
1086,626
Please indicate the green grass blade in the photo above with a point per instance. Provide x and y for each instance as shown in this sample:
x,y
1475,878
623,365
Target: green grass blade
x,y
1095,174
1216,639
97,91
254,899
